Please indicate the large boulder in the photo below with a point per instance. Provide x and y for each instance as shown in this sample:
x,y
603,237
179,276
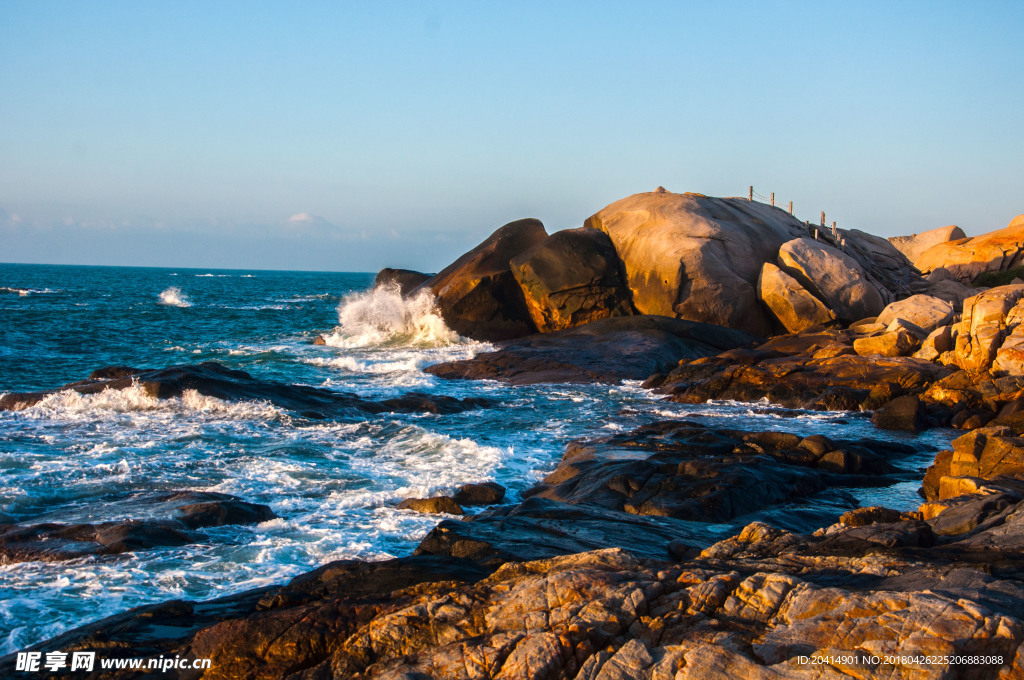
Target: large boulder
x,y
913,246
697,257
478,296
924,311
991,330
968,257
789,302
833,276
572,278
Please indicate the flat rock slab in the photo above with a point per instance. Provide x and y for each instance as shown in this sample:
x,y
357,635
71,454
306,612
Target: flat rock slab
x,y
605,351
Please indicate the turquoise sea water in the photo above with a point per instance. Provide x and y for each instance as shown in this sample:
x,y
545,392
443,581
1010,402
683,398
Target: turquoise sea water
x,y
334,484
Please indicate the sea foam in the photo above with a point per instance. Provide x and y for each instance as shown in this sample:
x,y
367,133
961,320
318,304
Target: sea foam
x,y
383,316
173,297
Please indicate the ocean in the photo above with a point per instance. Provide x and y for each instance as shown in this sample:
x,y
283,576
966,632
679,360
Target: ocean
x,y
333,483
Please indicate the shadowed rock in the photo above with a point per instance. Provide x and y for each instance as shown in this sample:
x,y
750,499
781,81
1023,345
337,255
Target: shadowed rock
x,y
405,279
571,278
154,520
609,350
478,296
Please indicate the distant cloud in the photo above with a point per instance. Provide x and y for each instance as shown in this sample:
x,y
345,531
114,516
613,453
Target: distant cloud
x,y
305,224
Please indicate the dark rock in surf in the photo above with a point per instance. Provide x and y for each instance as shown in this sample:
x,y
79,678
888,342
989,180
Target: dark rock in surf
x,y
405,279
485,493
478,296
215,380
434,505
156,520
605,351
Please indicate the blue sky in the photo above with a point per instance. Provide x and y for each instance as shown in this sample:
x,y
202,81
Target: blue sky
x,y
351,136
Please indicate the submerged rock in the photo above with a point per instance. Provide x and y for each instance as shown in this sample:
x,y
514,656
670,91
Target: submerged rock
x,y
609,350
155,520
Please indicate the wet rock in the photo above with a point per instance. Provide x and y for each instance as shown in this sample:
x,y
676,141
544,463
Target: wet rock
x,y
833,277
406,279
683,470
478,296
572,278
486,493
609,350
875,514
149,520
697,257
787,372
434,505
789,302
541,528
902,413
319,340
215,380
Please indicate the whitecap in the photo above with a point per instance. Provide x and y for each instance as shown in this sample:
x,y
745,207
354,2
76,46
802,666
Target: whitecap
x,y
173,297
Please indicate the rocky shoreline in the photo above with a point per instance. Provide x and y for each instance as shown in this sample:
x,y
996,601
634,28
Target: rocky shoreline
x,y
675,550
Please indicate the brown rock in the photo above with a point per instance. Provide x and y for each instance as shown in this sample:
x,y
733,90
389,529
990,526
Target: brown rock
x,y
486,493
891,344
832,276
433,505
478,296
915,245
968,257
697,257
571,278
794,307
924,311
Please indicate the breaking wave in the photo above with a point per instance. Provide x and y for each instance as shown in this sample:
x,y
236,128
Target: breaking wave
x,y
382,316
173,297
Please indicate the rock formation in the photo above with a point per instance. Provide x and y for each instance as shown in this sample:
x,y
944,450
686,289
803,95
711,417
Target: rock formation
x,y
913,246
478,295
789,302
697,257
832,276
967,258
571,278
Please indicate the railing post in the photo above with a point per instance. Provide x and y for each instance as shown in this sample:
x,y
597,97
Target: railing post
x,y
791,207
750,194
773,199
822,219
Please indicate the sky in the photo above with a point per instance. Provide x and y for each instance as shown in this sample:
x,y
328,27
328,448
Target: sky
x,y
351,136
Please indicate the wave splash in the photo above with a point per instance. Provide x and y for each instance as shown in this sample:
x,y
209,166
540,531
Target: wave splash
x,y
382,316
173,297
